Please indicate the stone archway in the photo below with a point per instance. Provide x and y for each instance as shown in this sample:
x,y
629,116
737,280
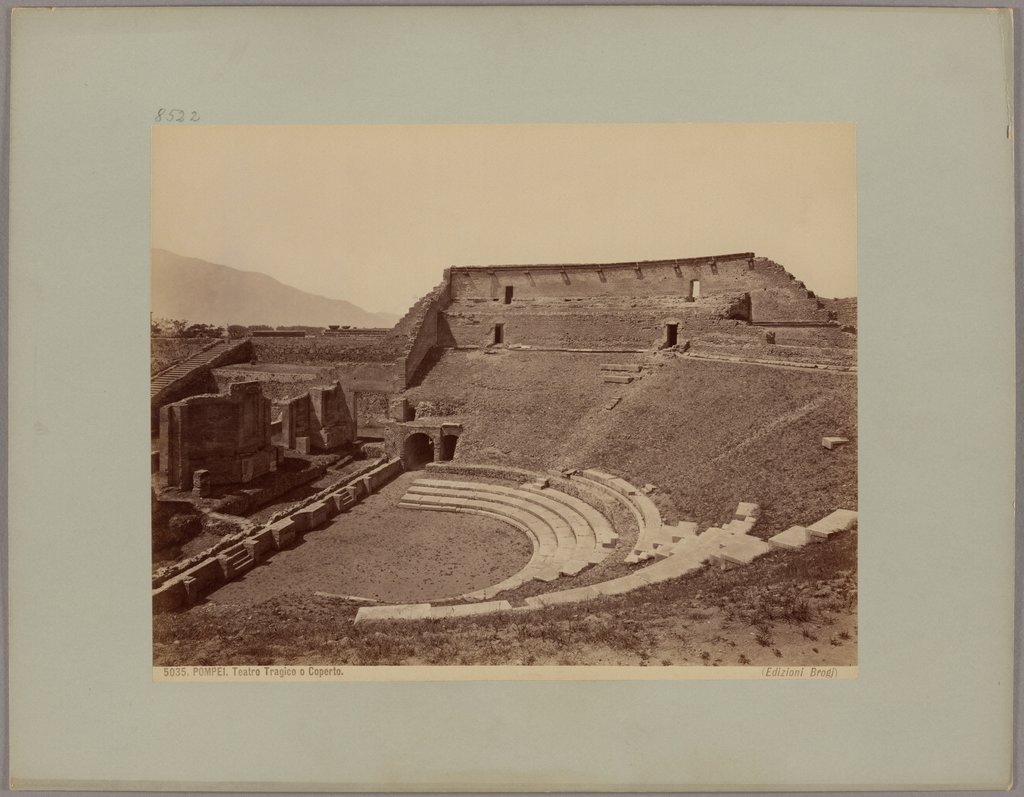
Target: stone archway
x,y
417,451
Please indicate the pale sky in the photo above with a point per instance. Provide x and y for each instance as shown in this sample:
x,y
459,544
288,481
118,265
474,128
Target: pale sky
x,y
373,214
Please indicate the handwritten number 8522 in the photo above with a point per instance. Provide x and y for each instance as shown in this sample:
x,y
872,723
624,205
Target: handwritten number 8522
x,y
176,115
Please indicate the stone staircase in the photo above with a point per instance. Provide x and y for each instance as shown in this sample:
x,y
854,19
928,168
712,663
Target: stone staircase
x,y
236,560
186,368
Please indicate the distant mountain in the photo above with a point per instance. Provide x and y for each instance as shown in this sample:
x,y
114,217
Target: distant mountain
x,y
207,293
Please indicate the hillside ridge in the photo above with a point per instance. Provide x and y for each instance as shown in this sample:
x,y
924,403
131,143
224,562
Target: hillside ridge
x,y
199,291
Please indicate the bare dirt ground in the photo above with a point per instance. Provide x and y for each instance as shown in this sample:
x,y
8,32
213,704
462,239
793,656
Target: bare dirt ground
x,y
787,608
380,551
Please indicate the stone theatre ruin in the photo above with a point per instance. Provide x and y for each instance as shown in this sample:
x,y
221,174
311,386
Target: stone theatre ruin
x,y
597,409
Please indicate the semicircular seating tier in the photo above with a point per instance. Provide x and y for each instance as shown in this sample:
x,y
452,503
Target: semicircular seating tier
x,y
654,535
567,534
570,534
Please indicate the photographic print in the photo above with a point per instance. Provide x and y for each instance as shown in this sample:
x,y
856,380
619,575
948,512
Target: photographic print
x,y
519,395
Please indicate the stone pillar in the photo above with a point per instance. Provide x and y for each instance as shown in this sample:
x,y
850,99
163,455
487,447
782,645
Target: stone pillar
x,y
201,483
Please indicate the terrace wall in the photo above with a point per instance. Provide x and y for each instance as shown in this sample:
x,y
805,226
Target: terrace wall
x,y
775,294
597,323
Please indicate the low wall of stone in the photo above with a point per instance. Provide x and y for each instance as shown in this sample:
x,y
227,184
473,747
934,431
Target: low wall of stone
x,y
183,583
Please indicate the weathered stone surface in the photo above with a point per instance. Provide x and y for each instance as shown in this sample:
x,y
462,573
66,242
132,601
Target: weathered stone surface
x,y
745,510
840,520
284,532
790,539
312,516
407,611
227,435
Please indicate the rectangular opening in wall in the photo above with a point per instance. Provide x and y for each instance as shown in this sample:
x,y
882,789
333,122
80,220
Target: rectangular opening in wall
x,y
499,333
695,289
508,294
671,334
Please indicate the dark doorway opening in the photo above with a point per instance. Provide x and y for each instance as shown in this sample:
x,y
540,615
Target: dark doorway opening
x,y
448,443
417,451
671,335
499,333
508,294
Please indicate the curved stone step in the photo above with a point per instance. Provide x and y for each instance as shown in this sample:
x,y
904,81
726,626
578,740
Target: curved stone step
x,y
577,518
565,533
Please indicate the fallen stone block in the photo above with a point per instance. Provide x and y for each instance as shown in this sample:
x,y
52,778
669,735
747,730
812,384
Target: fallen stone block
x,y
792,538
630,367
618,380
745,510
743,553
833,442
840,520
611,405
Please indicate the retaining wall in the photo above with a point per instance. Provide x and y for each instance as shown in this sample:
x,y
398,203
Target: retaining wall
x,y
184,583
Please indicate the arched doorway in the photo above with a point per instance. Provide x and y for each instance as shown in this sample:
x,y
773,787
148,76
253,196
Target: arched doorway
x,y
417,450
448,443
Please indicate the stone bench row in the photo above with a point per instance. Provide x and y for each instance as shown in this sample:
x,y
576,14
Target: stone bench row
x,y
579,514
653,533
188,587
564,540
728,546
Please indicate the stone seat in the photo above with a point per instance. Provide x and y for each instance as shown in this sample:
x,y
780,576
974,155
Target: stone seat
x,y
571,528
643,509
575,513
606,535
549,556
563,535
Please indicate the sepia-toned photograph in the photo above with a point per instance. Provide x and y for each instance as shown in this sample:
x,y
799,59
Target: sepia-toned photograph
x,y
577,395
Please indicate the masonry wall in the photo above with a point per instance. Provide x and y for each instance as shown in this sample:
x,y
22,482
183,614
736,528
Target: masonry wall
x,y
649,278
227,435
590,323
326,349
321,416
775,294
